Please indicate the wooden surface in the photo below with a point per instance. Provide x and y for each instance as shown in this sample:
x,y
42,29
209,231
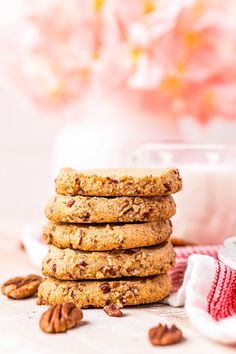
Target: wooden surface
x,y
98,333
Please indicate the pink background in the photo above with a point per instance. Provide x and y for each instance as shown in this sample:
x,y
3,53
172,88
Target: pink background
x,y
26,142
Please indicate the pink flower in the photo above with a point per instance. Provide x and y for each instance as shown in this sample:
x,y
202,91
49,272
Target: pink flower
x,y
186,57
61,58
177,55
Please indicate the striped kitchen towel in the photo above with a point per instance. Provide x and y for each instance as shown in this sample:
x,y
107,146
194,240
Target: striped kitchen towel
x,y
207,288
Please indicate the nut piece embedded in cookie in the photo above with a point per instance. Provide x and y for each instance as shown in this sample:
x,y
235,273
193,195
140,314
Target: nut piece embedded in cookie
x,y
163,335
21,287
113,310
60,318
105,287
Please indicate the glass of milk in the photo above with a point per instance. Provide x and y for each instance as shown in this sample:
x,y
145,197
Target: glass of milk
x,y
206,207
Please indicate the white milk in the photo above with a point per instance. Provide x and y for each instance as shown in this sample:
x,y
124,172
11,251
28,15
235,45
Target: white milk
x,y
206,207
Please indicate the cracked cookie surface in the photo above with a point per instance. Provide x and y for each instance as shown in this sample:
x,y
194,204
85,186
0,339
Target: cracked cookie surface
x,y
119,182
67,264
79,209
124,292
105,237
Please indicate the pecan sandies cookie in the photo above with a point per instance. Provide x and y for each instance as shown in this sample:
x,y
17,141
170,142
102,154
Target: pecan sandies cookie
x,y
119,182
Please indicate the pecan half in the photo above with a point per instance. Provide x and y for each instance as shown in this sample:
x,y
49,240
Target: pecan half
x,y
60,318
21,287
163,335
113,310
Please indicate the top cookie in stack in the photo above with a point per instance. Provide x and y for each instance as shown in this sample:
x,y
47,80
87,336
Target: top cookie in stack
x,y
109,224
119,182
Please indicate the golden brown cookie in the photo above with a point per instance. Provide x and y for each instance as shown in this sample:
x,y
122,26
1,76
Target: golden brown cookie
x,y
79,209
105,237
67,264
97,293
119,182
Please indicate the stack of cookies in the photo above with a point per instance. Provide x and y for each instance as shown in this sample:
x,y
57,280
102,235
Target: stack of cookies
x,y
109,233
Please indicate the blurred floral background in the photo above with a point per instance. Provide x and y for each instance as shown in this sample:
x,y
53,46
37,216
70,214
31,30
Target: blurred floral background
x,y
81,81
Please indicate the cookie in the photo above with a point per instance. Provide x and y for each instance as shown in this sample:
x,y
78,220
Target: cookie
x,y
119,182
97,293
79,209
105,237
67,264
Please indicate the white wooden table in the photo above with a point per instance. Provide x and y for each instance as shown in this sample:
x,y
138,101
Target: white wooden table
x,y
97,334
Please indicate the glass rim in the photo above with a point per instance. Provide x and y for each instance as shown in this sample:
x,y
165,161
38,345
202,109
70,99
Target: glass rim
x,y
186,146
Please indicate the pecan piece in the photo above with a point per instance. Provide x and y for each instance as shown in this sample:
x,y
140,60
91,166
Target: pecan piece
x,y
54,268
105,287
167,187
129,251
60,318
85,216
82,233
113,310
70,203
111,180
21,287
163,335
112,271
